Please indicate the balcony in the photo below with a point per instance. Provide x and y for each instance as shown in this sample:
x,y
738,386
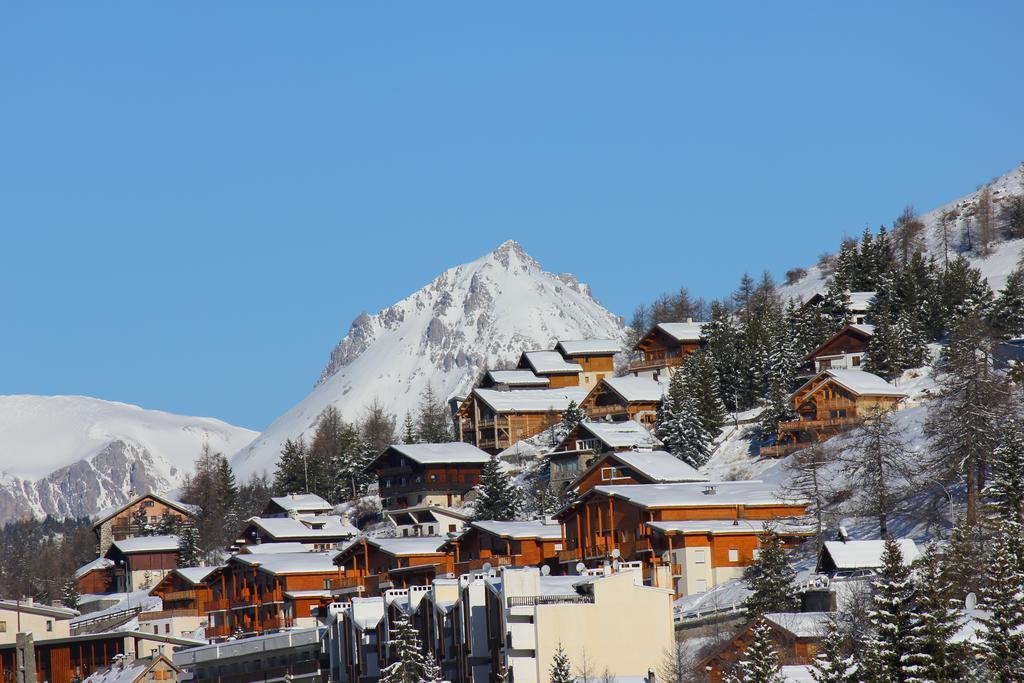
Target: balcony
x,y
655,362
347,584
830,424
781,450
570,555
494,561
535,600
170,614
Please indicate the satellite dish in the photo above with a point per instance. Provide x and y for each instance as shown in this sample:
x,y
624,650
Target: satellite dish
x,y
580,567
665,557
545,570
487,566
615,552
971,601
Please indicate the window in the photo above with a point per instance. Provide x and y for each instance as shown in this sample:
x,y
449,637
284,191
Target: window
x,y
700,586
148,503
49,625
430,530
452,528
3,627
734,555
856,361
700,557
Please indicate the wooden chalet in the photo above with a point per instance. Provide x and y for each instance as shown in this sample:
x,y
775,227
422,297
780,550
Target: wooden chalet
x,y
559,371
74,658
670,528
620,399
587,440
845,350
119,523
96,576
513,379
259,593
426,520
494,420
316,533
858,303
302,504
372,565
155,668
505,544
185,596
427,473
595,356
634,467
831,402
142,561
665,345
795,636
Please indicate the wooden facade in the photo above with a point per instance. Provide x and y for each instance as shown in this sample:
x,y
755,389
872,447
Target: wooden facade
x,y
120,524
181,596
370,567
605,402
665,345
845,349
404,481
96,580
489,543
493,424
832,402
616,468
792,646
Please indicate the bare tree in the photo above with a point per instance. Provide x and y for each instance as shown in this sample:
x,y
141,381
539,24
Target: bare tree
x,y
877,462
908,231
807,481
945,230
985,214
378,426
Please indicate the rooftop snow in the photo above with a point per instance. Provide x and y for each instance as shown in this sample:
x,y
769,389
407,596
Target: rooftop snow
x,y
274,548
683,332
455,451
801,624
583,347
519,378
300,527
118,673
550,362
660,466
291,563
302,501
693,494
195,575
98,563
525,529
860,301
531,400
147,544
866,554
722,526
409,545
629,434
864,383
636,389
861,327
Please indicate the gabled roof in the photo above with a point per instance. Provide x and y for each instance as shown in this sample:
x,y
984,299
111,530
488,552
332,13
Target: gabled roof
x,y
588,347
147,544
440,453
290,563
129,672
548,363
857,382
302,502
517,378
635,389
801,624
862,330
866,554
696,494
273,548
860,301
628,434
103,515
100,563
402,546
728,526
683,332
194,575
530,400
656,466
518,530
324,527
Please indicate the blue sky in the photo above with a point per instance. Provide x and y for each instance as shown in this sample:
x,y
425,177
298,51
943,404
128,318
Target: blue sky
x,y
197,198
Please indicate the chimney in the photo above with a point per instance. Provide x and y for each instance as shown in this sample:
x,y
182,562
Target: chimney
x,y
689,320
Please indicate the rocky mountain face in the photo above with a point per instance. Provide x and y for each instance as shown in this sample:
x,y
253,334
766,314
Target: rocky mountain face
x,y
74,456
472,317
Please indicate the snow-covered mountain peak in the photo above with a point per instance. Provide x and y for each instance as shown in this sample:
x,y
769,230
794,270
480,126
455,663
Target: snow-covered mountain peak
x,y
475,316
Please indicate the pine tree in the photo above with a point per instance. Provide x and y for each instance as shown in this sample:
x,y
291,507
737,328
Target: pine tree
x,y
760,662
770,577
70,596
1008,309
189,554
1002,598
679,426
561,670
140,523
227,493
434,423
408,430
894,651
702,385
941,659
722,347
571,416
290,476
498,498
408,662
965,293
831,664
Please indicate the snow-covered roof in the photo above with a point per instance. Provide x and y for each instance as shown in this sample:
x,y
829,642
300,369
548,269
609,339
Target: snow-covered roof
x,y
801,624
409,545
530,400
863,327
274,548
866,554
709,526
38,608
106,513
659,466
147,544
584,347
550,363
860,301
698,494
128,672
433,453
797,673
636,389
525,529
863,383
683,332
314,527
559,585
195,575
98,563
308,594
518,378
302,502
629,434
290,563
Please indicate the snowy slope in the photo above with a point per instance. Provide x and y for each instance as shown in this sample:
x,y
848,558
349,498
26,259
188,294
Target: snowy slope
x,y
474,316
995,267
73,455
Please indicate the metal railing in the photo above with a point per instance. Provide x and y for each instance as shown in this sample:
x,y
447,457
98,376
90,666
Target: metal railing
x,y
535,600
124,614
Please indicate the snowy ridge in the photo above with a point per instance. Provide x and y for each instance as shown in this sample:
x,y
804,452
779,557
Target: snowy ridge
x,y
74,455
995,267
475,316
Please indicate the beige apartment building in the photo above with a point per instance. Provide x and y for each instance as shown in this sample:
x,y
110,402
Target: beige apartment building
x,y
26,616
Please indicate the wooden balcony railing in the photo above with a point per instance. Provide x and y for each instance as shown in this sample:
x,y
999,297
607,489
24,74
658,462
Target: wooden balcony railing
x,y
781,450
169,614
494,561
345,582
808,425
652,363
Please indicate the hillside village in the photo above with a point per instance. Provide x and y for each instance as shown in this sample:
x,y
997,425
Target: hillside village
x,y
762,488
